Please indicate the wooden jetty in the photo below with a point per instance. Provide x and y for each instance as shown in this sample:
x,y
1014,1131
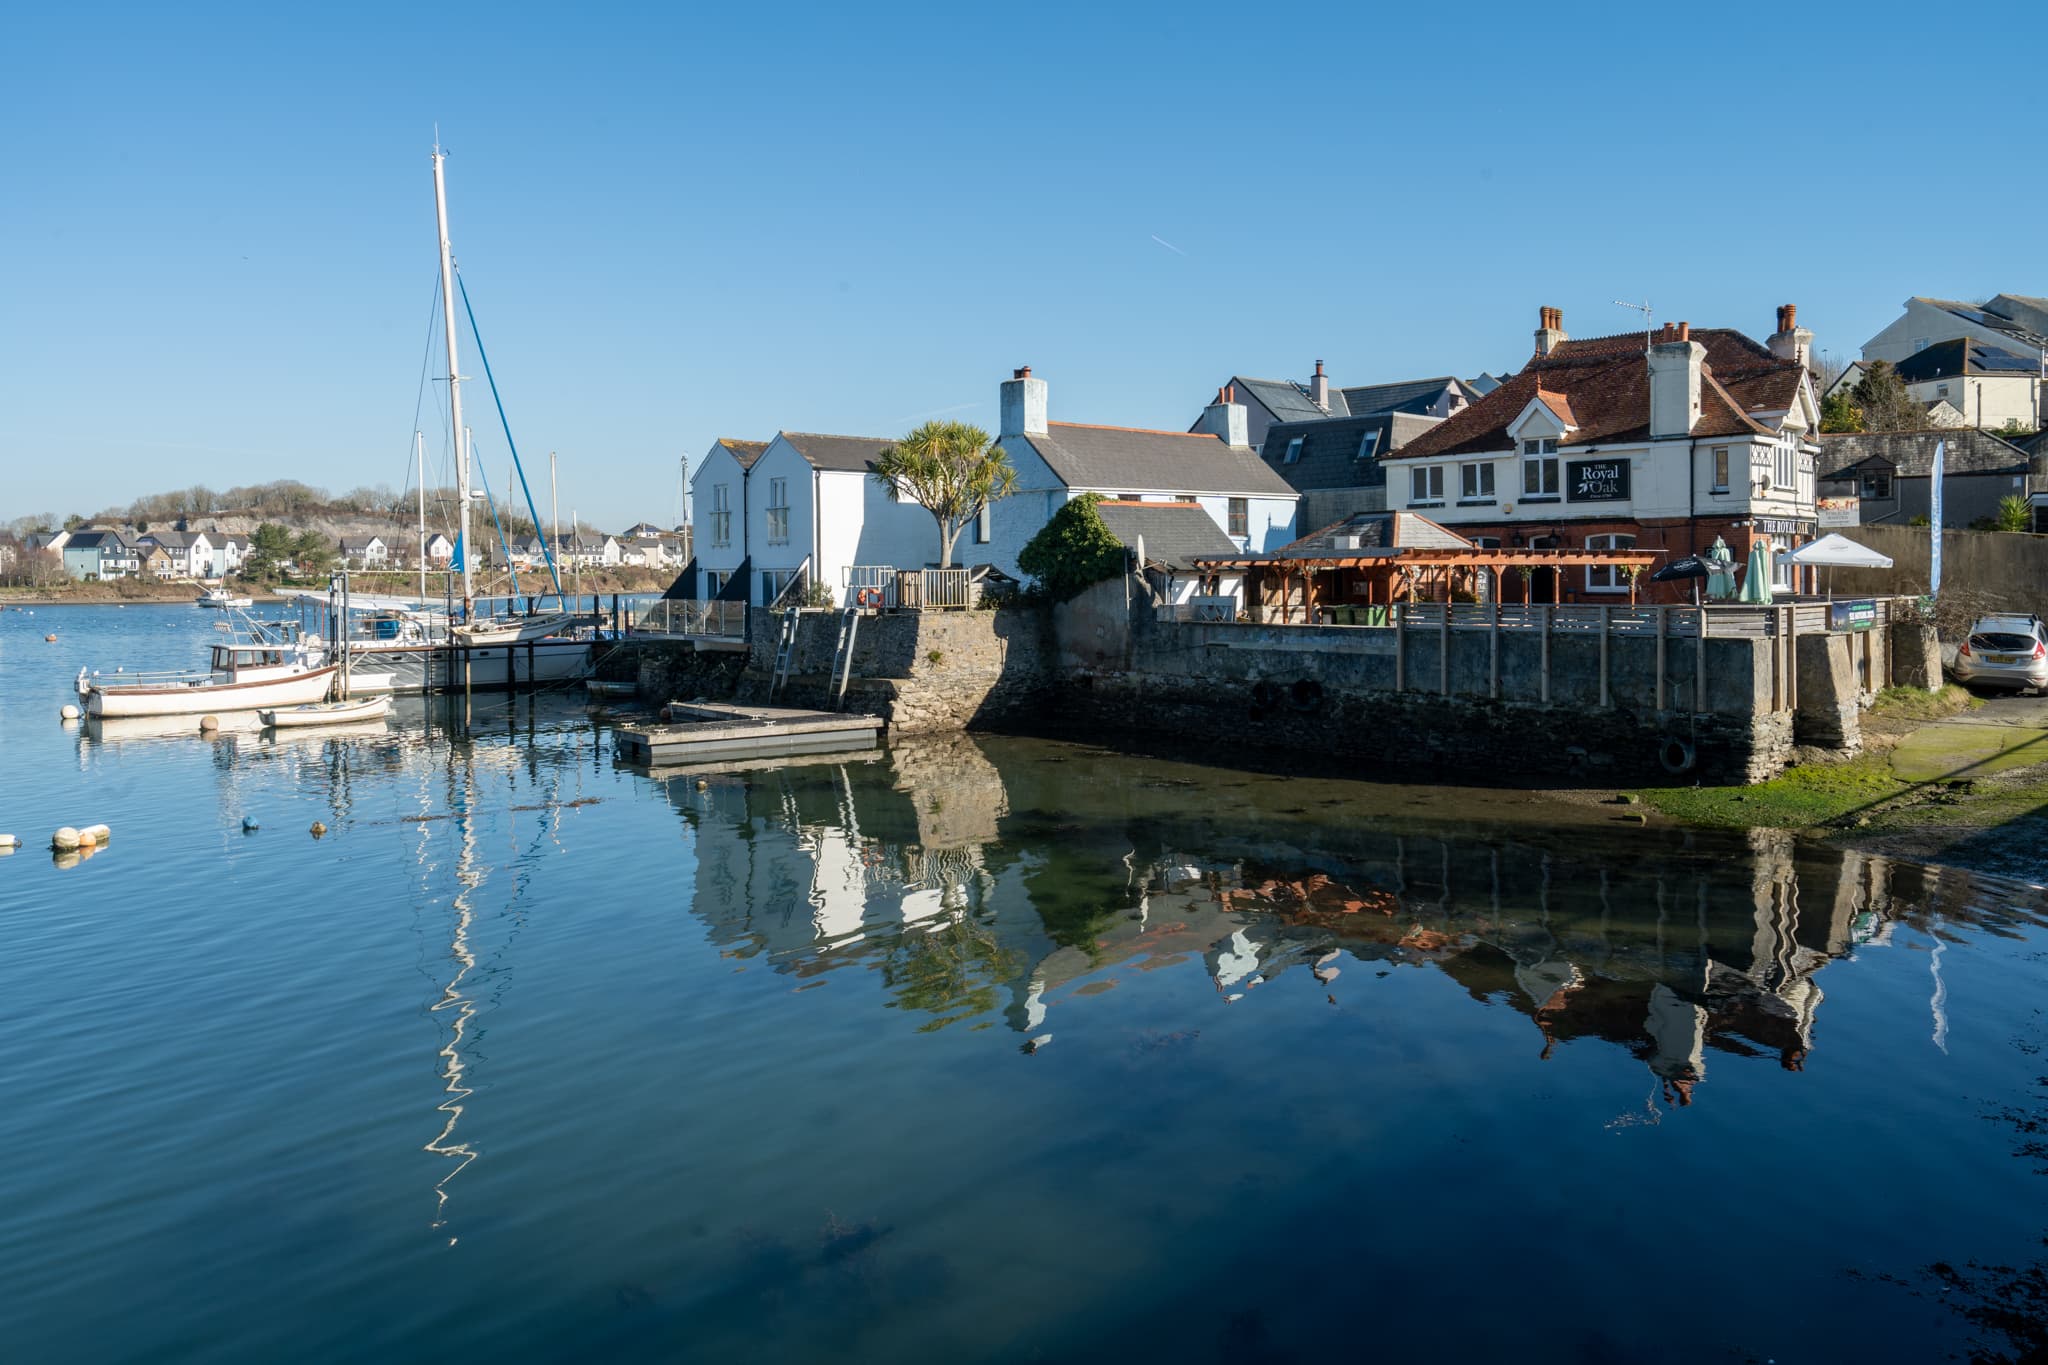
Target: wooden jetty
x,y
715,732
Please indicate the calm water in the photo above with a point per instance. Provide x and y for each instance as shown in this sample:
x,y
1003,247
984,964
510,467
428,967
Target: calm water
x,y
978,1050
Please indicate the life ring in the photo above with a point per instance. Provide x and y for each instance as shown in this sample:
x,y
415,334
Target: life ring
x,y
1306,694
1264,694
869,597
1676,755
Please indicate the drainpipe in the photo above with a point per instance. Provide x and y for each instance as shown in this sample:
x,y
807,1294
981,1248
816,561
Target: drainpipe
x,y
818,522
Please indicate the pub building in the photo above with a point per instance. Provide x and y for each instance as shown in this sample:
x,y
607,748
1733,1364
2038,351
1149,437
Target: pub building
x,y
1649,442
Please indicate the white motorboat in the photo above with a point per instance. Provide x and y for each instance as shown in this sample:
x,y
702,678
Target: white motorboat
x,y
326,713
141,694
222,600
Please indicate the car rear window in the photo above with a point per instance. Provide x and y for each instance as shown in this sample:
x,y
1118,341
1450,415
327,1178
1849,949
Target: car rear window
x,y
2003,643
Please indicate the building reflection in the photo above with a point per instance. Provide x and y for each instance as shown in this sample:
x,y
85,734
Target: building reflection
x,y
1010,886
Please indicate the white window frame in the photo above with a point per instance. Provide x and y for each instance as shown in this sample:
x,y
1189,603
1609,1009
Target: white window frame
x,y
1426,485
721,516
1784,466
1781,572
1540,464
1608,577
778,512
1719,473
984,525
1475,481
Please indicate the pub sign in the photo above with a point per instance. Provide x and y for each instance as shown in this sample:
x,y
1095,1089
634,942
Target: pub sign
x,y
1597,480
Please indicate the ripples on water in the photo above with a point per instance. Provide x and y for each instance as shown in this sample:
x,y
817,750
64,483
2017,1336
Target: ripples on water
x,y
975,1049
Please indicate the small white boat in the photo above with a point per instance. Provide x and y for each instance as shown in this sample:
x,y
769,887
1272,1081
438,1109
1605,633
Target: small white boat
x,y
194,695
222,600
514,630
325,713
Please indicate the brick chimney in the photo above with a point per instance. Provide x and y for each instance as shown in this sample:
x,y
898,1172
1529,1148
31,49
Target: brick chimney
x,y
1675,360
1549,329
1022,405
1319,388
1226,417
1791,341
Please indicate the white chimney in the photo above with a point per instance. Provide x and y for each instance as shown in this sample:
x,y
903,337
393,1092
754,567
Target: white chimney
x,y
1791,341
1549,329
1226,417
1023,405
1319,388
1675,381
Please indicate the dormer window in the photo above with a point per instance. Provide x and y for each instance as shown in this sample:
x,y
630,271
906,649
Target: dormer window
x,y
1539,468
1293,449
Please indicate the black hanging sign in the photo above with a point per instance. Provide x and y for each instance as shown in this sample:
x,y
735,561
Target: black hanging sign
x,y
1596,480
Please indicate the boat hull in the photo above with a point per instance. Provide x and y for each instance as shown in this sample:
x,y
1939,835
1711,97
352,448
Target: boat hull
x,y
416,668
329,713
295,689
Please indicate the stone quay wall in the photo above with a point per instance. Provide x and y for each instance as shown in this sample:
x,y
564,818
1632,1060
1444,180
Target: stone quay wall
x,y
1495,703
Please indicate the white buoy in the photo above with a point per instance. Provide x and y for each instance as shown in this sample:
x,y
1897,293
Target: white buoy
x,y
65,840
208,724
10,841
100,833
69,713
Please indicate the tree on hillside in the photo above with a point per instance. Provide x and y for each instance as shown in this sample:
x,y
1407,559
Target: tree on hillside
x,y
1881,397
1073,550
950,470
312,553
270,546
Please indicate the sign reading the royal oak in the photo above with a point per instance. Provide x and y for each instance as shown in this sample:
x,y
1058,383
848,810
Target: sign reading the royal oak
x,y
1596,480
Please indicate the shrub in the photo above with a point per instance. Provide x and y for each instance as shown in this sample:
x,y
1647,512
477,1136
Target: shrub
x,y
1073,551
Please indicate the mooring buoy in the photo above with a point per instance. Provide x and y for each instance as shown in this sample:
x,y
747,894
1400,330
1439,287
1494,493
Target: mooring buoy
x,y
317,830
208,724
65,840
249,825
69,712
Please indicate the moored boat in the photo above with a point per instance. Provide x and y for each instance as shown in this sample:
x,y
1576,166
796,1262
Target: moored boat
x,y
194,694
325,713
222,600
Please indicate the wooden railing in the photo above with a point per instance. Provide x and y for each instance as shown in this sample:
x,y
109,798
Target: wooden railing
x,y
1723,620
879,585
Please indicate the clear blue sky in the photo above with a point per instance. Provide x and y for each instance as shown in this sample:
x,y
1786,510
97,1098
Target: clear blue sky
x,y
683,222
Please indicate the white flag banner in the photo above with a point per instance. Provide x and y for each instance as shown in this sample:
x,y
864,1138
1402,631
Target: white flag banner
x,y
1934,516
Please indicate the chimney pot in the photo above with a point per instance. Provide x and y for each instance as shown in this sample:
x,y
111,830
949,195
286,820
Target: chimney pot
x,y
1685,331
1319,367
1024,373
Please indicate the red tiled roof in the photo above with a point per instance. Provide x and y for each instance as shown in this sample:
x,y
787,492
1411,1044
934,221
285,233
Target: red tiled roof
x,y
1558,404
1604,384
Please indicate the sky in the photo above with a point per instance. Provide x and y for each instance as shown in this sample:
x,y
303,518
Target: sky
x,y
685,222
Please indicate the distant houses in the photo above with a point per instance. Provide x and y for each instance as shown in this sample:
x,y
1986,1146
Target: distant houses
x,y
1887,477
98,553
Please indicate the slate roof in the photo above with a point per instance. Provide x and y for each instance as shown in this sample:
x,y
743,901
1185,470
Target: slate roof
x,y
1410,395
1604,383
852,454
1289,401
1377,532
746,452
175,540
1970,312
1175,533
1962,355
94,540
1133,460
1330,451
1911,453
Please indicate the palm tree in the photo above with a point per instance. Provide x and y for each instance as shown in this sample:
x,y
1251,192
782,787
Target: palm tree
x,y
950,470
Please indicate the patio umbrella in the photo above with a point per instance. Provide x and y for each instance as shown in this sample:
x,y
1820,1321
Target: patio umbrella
x,y
1756,581
1721,578
1832,550
1692,566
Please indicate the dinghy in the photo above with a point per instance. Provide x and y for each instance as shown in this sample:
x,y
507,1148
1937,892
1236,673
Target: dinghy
x,y
326,713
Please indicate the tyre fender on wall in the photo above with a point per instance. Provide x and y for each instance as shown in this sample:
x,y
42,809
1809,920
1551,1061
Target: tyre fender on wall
x,y
1676,755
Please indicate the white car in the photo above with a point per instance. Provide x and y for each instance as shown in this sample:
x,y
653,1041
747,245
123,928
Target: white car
x,y
2004,651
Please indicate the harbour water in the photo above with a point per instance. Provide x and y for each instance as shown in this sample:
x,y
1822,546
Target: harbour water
x,y
975,1049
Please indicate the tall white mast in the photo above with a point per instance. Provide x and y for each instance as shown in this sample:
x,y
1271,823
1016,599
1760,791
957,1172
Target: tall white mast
x,y
454,384
555,530
419,445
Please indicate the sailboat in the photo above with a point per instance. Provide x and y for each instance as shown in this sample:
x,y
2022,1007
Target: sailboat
x,y
472,630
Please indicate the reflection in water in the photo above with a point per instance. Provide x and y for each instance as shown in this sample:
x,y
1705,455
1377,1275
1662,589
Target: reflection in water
x,y
974,891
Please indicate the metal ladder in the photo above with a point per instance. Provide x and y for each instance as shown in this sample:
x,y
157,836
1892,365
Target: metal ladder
x,y
785,652
842,658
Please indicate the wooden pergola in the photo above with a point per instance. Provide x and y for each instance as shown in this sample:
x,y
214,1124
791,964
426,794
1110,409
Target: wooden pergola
x,y
1410,575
